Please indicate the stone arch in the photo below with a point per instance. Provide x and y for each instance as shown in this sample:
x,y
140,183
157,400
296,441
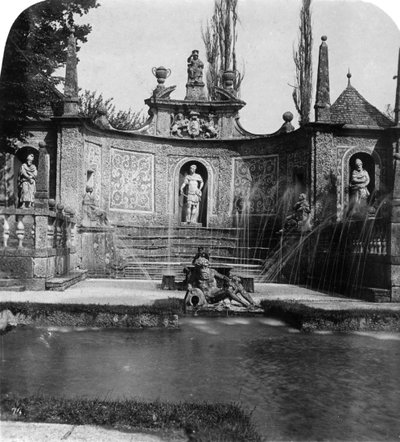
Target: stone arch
x,y
203,168
373,164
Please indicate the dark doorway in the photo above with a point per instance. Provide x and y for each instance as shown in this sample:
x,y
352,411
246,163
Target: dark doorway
x,y
299,181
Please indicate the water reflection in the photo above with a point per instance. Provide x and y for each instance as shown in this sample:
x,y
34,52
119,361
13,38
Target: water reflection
x,y
301,387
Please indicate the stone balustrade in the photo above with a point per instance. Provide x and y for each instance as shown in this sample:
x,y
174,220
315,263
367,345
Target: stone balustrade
x,y
37,244
36,229
370,239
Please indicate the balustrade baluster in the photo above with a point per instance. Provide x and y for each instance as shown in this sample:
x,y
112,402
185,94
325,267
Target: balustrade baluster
x,y
50,233
59,232
67,232
20,233
6,232
384,250
33,231
378,246
73,233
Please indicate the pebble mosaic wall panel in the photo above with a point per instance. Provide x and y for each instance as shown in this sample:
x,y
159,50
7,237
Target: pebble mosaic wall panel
x,y
256,182
93,162
132,186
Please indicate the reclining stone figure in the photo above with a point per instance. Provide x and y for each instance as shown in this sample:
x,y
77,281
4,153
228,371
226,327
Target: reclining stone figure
x,y
202,287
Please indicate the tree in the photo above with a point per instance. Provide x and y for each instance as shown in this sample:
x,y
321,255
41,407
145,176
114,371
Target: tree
x,y
36,47
302,92
92,104
220,37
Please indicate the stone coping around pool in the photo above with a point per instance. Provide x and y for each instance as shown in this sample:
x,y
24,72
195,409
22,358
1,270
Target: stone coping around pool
x,y
170,421
162,313
311,316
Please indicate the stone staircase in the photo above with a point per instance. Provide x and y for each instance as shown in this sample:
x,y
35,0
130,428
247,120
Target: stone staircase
x,y
150,252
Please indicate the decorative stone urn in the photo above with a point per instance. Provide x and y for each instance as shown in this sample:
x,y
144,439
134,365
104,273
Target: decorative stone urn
x,y
228,78
161,73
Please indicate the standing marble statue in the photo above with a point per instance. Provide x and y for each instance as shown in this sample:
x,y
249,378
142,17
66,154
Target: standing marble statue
x,y
195,68
193,183
27,182
358,184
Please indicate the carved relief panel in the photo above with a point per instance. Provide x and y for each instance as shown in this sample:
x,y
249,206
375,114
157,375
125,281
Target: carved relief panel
x,y
194,125
132,181
256,184
93,168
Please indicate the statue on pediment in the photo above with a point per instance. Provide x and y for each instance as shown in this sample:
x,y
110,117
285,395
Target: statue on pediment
x,y
195,68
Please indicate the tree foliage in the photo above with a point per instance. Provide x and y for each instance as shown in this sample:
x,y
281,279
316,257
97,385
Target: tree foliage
x,y
220,38
92,105
36,47
302,92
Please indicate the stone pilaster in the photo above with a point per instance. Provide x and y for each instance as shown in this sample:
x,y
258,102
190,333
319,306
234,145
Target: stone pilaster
x,y
71,174
43,178
394,243
397,102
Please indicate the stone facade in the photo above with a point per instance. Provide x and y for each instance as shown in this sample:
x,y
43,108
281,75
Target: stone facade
x,y
100,188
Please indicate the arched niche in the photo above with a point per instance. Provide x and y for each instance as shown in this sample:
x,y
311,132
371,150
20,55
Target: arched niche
x,y
180,172
372,163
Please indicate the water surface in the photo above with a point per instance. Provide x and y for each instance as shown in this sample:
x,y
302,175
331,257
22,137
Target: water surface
x,y
300,387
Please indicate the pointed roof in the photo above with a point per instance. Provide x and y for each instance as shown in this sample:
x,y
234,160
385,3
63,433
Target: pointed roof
x,y
352,108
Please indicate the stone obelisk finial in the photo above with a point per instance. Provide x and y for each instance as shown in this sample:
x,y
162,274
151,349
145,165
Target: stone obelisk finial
x,y
322,100
397,102
71,100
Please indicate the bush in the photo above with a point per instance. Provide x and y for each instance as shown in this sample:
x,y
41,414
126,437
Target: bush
x,y
201,422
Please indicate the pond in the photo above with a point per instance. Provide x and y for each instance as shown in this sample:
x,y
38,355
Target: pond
x,y
299,386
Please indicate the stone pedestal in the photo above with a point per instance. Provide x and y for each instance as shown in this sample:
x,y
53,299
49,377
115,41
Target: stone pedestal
x,y
195,92
168,282
189,224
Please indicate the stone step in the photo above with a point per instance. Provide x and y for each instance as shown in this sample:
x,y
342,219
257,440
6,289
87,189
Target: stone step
x,y
228,260
190,248
9,282
12,288
165,230
60,283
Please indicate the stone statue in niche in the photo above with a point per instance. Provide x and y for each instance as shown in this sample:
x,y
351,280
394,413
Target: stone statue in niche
x,y
27,182
191,189
358,187
300,218
202,288
179,124
195,68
